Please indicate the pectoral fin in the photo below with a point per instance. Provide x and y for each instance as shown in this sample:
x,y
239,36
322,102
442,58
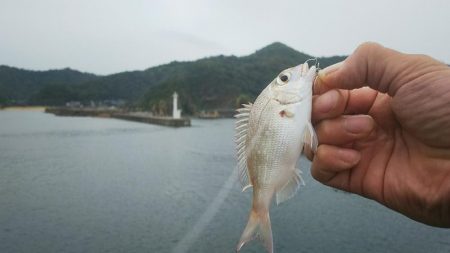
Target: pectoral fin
x,y
310,137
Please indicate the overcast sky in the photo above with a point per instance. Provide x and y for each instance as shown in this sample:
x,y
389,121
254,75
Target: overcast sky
x,y
108,36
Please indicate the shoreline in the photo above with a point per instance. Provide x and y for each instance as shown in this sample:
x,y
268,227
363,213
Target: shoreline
x,y
142,117
24,108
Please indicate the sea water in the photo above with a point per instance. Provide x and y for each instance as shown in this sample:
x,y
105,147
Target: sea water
x,y
70,184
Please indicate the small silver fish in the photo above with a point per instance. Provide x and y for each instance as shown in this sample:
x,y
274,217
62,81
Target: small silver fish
x,y
270,135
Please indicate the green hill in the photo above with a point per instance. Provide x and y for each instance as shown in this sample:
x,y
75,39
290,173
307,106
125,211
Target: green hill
x,y
224,82
19,85
220,82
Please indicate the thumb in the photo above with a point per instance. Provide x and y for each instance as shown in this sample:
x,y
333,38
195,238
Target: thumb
x,y
373,65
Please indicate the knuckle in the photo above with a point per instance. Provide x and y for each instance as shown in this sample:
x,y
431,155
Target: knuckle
x,y
368,47
331,131
322,153
323,130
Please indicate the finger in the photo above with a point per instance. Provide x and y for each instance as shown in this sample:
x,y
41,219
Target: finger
x,y
322,82
329,105
373,65
335,102
345,129
329,161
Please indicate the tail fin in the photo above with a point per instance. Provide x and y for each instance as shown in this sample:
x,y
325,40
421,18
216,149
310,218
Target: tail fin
x,y
258,226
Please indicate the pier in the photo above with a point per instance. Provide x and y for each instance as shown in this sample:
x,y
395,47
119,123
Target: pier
x,y
164,121
143,117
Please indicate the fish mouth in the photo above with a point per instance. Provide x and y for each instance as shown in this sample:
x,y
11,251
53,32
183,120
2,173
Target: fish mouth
x,y
304,69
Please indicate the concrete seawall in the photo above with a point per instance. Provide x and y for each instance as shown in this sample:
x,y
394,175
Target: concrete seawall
x,y
81,112
164,121
118,114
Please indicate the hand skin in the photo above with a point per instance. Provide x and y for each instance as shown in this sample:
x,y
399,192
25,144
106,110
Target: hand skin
x,y
383,123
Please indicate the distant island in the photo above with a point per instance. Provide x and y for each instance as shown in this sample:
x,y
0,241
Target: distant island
x,y
213,84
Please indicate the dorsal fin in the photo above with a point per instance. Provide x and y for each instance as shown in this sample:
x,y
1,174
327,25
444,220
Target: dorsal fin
x,y
241,136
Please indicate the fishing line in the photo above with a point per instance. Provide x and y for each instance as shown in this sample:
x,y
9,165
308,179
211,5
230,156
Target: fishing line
x,y
192,235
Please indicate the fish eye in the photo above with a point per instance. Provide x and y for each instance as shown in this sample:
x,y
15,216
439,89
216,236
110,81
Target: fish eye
x,y
283,78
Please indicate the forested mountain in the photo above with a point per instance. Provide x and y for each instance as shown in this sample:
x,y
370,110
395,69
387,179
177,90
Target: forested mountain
x,y
19,85
224,82
220,82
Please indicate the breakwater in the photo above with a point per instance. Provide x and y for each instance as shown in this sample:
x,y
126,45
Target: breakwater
x,y
143,117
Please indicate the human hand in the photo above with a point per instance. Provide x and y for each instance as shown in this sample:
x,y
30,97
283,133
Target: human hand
x,y
383,123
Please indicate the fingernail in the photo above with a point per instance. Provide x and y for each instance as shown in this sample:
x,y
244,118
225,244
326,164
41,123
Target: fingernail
x,y
358,124
330,69
327,101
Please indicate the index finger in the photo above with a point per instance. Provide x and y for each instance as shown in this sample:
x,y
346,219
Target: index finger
x,y
373,65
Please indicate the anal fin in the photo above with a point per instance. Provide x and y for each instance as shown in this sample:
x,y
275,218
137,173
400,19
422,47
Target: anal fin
x,y
290,188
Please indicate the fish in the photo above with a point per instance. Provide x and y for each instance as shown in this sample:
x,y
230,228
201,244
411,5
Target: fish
x,y
270,137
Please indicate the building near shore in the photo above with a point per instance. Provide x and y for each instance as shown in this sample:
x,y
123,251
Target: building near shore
x,y
176,113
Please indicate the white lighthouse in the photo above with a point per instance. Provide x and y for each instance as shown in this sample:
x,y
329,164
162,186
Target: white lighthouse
x,y
176,114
